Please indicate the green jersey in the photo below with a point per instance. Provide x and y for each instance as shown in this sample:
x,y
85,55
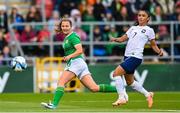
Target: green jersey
x,y
69,44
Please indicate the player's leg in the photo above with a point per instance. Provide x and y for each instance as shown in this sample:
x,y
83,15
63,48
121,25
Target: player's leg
x,y
125,84
138,87
120,86
88,81
64,78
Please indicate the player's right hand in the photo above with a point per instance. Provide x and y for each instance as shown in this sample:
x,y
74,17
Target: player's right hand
x,y
112,39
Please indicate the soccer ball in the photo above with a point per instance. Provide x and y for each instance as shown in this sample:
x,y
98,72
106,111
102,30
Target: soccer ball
x,y
18,63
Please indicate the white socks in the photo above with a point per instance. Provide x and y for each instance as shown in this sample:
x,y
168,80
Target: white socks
x,y
135,85
120,87
121,90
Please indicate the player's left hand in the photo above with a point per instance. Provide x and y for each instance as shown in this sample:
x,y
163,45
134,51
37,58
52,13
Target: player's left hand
x,y
161,52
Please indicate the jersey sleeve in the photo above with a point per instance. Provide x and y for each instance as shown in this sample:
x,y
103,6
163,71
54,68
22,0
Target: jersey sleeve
x,y
75,40
151,34
128,32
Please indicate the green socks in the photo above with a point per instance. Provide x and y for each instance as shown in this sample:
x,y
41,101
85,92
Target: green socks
x,y
60,91
107,88
57,96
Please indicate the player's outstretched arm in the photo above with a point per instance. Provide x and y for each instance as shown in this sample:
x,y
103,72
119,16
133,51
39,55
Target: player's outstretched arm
x,y
156,48
120,39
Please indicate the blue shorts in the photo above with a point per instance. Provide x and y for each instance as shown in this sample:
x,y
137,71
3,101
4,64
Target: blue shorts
x,y
130,64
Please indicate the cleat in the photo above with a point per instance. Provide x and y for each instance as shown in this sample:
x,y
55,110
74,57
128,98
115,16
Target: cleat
x,y
126,97
150,99
120,102
48,105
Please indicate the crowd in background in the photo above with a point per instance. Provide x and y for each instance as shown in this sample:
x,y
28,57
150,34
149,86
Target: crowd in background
x,y
85,11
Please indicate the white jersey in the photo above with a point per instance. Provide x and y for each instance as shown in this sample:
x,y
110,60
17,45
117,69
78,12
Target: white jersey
x,y
138,36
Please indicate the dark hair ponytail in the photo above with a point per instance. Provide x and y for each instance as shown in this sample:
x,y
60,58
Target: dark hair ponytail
x,y
147,12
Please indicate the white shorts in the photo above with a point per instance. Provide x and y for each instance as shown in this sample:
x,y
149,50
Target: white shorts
x,y
78,67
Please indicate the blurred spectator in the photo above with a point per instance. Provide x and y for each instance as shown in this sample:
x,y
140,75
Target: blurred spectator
x,y
177,29
10,39
158,15
150,6
1,58
53,20
56,4
83,6
109,17
16,17
48,7
75,18
163,34
59,37
177,37
44,35
112,33
133,6
99,50
167,6
90,11
91,2
97,34
88,17
99,10
115,7
3,19
6,55
122,15
105,34
3,41
81,33
174,16
28,35
107,3
33,15
67,5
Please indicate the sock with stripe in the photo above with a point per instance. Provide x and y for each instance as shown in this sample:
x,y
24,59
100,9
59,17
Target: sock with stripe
x,y
106,88
58,95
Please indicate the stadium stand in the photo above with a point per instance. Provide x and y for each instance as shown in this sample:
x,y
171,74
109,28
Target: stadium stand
x,y
26,27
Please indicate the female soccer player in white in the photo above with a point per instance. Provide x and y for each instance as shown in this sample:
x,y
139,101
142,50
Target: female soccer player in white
x,y
137,36
76,66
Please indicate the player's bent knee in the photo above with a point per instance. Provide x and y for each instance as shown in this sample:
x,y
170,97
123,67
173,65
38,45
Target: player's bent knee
x,y
115,74
61,84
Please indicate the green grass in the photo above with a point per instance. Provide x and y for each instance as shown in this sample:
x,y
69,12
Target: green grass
x,y
88,102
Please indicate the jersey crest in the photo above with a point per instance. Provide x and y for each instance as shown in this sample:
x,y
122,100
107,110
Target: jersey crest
x,y
143,31
67,41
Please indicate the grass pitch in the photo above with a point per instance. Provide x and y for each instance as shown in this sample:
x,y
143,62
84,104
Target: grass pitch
x,y
89,102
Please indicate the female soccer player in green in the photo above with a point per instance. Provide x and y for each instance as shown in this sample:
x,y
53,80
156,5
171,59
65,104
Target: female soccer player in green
x,y
76,66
